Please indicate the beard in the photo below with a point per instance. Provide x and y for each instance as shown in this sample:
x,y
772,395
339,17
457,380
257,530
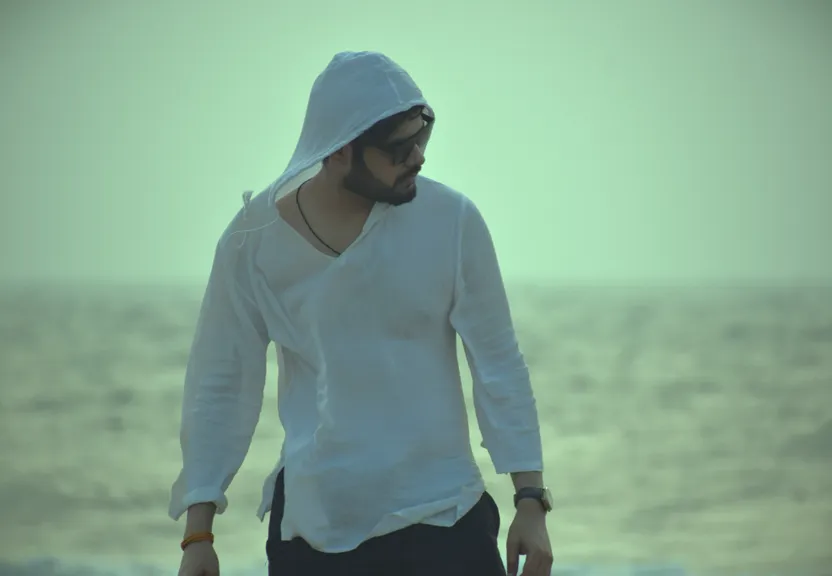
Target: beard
x,y
361,182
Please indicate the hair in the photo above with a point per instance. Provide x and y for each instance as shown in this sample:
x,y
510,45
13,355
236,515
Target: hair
x,y
383,129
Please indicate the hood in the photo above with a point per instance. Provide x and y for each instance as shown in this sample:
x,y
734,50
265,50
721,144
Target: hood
x,y
356,90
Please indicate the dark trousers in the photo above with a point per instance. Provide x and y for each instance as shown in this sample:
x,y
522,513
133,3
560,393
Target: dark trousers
x,y
468,548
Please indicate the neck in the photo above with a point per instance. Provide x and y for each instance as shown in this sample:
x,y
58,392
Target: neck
x,y
331,197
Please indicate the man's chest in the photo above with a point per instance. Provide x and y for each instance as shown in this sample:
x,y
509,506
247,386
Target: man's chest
x,y
397,283
391,287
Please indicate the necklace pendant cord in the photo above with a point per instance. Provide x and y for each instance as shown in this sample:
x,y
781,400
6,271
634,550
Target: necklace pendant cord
x,y
309,226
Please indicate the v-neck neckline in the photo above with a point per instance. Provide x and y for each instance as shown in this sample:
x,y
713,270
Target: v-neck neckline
x,y
376,212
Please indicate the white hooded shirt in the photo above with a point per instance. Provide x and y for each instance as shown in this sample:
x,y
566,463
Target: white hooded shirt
x,y
369,389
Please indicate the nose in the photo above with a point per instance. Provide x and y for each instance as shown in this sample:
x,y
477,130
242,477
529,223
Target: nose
x,y
416,158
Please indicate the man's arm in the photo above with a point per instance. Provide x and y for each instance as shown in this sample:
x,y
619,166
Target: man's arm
x,y
503,397
200,519
223,395
527,480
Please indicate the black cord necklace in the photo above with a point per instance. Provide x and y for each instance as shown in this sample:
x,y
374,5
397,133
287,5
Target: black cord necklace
x,y
308,225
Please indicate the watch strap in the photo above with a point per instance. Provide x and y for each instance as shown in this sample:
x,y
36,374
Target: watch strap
x,y
532,493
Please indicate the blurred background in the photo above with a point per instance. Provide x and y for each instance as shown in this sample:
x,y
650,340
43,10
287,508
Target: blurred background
x,y
658,179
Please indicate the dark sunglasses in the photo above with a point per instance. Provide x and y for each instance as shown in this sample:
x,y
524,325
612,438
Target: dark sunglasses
x,y
400,150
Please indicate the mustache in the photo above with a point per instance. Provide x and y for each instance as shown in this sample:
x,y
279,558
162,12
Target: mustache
x,y
409,173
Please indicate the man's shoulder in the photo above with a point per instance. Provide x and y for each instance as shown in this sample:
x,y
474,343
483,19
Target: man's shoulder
x,y
458,210
242,234
439,195
254,216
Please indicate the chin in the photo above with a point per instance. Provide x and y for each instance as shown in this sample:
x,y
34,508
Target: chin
x,y
404,197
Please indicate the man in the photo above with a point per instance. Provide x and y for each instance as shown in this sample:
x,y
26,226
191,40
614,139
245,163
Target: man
x,y
362,273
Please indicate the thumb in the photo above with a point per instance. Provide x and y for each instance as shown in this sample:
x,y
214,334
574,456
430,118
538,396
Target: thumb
x,y
512,555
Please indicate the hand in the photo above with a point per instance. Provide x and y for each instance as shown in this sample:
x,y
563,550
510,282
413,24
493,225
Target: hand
x,y
199,559
528,536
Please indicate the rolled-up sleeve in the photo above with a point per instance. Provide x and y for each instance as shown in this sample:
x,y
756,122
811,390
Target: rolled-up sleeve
x,y
224,384
503,398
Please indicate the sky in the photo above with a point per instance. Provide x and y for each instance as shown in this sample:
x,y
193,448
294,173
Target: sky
x,y
623,142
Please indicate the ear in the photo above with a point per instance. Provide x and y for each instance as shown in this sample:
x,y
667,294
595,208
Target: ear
x,y
341,158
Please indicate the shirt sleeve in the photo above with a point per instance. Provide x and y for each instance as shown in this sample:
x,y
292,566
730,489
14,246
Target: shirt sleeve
x,y
503,398
224,383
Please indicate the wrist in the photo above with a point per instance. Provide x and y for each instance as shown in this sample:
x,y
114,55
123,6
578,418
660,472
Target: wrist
x,y
197,546
197,539
200,519
531,507
532,479
533,496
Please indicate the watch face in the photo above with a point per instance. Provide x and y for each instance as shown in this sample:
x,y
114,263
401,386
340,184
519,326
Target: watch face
x,y
547,499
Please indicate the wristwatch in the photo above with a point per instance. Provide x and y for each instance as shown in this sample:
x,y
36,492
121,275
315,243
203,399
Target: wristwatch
x,y
542,495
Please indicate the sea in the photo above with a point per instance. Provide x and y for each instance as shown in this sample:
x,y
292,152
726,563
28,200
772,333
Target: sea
x,y
687,431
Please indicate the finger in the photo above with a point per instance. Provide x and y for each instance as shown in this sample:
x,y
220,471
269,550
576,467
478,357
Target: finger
x,y
512,557
530,567
535,565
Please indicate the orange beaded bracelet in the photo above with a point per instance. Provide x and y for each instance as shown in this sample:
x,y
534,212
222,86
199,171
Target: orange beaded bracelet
x,y
198,537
